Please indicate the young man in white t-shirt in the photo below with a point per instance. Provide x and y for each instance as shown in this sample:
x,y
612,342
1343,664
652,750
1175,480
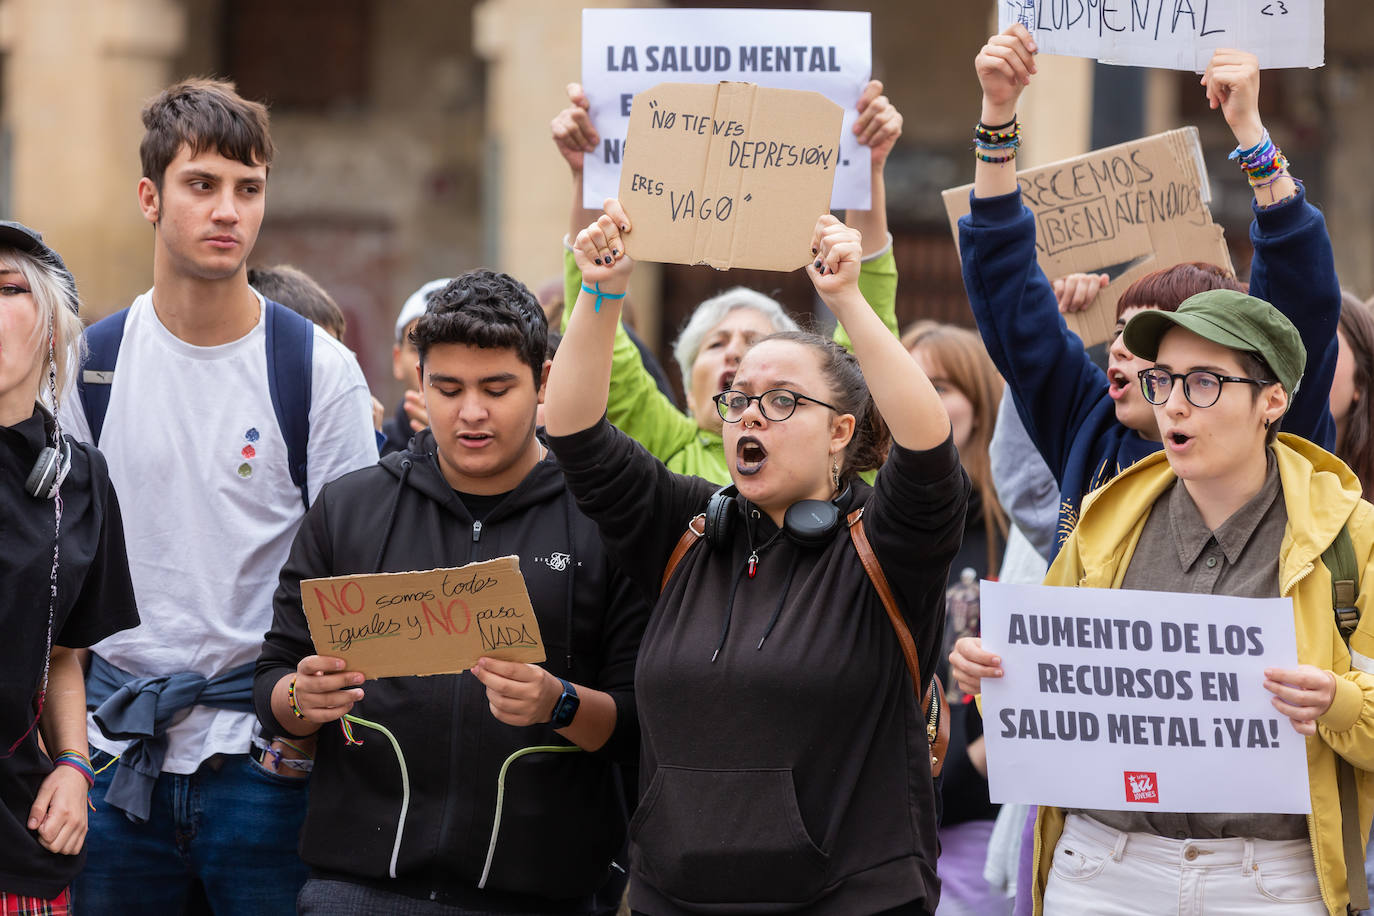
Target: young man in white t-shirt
x,y
194,442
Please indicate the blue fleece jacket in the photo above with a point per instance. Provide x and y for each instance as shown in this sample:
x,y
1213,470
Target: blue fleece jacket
x,y
1059,392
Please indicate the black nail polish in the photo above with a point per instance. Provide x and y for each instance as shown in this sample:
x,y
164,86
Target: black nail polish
x,y
817,265
614,252
815,251
596,261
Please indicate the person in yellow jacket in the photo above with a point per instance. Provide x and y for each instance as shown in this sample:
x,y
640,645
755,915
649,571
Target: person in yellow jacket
x,y
1230,507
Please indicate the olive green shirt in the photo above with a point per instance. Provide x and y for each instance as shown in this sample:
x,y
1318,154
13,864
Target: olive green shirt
x,y
1177,552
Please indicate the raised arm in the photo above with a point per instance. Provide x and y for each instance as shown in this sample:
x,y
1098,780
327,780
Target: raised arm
x,y
878,127
1293,266
1054,383
574,136
913,411
1004,66
580,380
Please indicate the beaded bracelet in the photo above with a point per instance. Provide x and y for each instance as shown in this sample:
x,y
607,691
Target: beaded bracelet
x,y
989,140
79,762
291,698
1010,131
600,295
996,160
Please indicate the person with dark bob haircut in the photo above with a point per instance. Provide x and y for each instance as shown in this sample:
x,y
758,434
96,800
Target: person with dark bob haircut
x,y
515,802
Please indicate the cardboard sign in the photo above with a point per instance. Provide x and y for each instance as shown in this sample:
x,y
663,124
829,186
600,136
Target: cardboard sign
x,y
435,622
626,51
1125,211
731,175
1134,700
1176,34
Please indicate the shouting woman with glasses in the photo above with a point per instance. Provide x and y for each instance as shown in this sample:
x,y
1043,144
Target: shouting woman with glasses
x,y
1229,508
785,765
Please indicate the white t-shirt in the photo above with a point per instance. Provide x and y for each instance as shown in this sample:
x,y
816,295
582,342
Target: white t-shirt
x,y
209,508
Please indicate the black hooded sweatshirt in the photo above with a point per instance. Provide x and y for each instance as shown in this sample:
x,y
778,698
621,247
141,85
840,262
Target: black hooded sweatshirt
x,y
564,816
785,765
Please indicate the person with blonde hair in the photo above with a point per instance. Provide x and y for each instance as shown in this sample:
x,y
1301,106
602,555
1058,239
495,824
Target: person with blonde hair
x,y
64,580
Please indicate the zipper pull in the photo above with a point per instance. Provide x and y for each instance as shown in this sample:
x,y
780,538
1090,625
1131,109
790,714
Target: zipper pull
x,y
476,531
753,563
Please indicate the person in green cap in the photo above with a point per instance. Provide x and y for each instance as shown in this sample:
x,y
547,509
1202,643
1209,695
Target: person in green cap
x,y
1230,507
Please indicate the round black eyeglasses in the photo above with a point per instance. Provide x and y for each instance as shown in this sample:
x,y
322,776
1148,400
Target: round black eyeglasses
x,y
1201,387
776,404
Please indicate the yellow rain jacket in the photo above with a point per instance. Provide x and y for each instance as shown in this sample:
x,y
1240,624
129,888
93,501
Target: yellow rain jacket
x,y
1321,494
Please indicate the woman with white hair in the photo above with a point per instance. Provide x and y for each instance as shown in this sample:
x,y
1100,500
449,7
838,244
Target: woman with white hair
x,y
720,329
64,580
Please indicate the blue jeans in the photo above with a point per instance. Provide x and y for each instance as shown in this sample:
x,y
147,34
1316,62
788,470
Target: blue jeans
x,y
231,824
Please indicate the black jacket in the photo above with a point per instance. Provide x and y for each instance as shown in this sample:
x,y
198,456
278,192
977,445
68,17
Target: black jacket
x,y
790,772
95,599
564,814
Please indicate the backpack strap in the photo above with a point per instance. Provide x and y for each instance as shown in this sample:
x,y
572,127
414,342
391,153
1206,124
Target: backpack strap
x,y
290,352
97,369
1340,562
933,702
696,530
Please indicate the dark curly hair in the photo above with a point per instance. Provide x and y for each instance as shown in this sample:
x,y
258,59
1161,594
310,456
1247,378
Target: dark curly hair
x,y
486,309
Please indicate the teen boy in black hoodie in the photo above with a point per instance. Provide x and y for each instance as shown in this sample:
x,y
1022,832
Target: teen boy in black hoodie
x,y
478,484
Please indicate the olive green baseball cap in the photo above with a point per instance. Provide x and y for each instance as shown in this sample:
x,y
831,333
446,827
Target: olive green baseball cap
x,y
1229,318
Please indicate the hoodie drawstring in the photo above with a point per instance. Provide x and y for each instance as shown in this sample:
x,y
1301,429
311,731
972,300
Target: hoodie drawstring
x,y
729,610
782,598
391,516
572,571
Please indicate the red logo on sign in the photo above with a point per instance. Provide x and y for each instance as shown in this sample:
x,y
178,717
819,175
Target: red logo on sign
x,y
1141,787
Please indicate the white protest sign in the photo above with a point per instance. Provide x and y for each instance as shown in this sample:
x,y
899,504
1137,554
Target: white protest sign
x,y
625,52
1139,701
1176,34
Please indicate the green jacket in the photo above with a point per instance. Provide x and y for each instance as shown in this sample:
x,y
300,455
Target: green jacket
x,y
641,411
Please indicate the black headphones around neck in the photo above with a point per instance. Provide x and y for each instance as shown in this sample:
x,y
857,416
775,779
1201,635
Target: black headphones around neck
x,y
807,522
49,471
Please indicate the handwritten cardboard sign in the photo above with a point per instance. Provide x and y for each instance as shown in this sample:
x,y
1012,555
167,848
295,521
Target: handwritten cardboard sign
x,y
1175,34
730,175
1139,701
435,622
1124,211
626,51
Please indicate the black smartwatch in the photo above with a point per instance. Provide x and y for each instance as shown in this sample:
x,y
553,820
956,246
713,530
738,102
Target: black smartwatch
x,y
566,707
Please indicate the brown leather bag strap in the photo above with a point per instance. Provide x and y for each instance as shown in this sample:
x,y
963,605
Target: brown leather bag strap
x,y
876,575
696,530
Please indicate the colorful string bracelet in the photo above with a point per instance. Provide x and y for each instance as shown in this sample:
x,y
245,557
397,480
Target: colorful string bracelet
x,y
291,698
79,762
600,295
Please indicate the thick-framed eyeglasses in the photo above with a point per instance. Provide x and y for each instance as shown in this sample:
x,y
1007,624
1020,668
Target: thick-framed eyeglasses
x,y
776,404
1201,387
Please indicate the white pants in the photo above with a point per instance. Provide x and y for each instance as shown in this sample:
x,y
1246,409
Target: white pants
x,y
1104,872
